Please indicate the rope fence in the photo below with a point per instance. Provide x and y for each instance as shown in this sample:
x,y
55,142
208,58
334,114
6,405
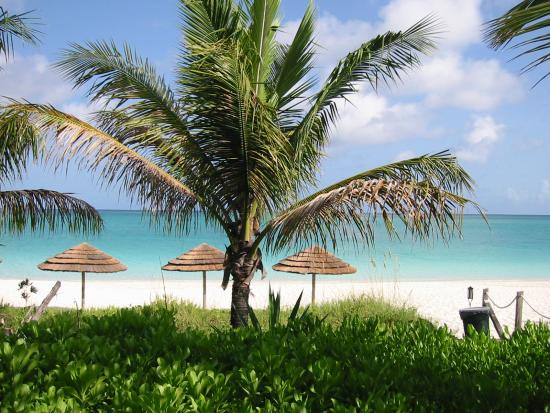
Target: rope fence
x,y
504,306
513,301
531,307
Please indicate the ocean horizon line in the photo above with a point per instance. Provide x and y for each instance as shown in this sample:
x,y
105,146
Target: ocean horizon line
x,y
466,214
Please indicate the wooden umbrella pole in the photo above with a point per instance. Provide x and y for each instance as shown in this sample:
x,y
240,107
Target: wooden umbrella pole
x,y
204,289
83,302
312,289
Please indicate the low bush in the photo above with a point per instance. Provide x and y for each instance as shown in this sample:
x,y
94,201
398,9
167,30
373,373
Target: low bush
x,y
137,360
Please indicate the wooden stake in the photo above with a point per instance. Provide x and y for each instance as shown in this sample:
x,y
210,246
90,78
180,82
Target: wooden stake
x,y
485,297
83,301
312,289
204,289
519,310
46,302
495,321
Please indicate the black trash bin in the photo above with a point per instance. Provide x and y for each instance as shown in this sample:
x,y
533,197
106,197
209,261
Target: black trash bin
x,y
477,317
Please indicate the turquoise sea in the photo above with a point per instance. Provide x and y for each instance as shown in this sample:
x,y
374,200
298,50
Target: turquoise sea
x,y
510,247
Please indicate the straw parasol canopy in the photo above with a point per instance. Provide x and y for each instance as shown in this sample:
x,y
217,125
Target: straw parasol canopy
x,y
314,260
83,258
201,258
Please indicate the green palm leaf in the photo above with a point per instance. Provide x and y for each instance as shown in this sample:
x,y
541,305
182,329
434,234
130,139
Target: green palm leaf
x,y
41,209
381,60
16,26
528,23
290,79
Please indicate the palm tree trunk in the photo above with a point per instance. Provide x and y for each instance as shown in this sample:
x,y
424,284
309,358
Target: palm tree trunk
x,y
239,304
242,268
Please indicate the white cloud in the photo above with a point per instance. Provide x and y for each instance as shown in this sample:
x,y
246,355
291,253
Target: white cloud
x,y
32,78
446,79
461,20
337,38
540,195
368,118
403,155
484,133
451,80
516,195
84,111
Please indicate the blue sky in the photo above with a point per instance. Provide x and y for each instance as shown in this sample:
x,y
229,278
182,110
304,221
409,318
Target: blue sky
x,y
466,98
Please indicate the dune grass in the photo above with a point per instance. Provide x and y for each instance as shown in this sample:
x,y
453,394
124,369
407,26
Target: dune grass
x,y
190,316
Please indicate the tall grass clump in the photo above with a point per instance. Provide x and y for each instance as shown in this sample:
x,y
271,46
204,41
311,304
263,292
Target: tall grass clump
x,y
138,360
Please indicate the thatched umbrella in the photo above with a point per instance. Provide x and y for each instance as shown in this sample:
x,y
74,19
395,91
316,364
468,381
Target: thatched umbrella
x,y
201,258
314,260
83,258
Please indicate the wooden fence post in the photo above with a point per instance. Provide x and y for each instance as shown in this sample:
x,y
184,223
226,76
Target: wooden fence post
x,y
519,310
45,302
485,303
485,297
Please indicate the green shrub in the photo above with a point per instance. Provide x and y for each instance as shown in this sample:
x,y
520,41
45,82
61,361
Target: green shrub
x,y
137,360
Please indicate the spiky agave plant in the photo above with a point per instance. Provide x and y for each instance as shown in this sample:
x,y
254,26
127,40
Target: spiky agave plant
x,y
240,136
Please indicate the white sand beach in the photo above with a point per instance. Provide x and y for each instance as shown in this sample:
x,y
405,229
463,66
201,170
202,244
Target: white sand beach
x,y
438,301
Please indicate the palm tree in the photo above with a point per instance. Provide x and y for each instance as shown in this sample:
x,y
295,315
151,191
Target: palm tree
x,y
36,209
529,23
240,137
15,26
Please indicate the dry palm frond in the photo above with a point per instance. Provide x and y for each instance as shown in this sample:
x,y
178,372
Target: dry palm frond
x,y
417,192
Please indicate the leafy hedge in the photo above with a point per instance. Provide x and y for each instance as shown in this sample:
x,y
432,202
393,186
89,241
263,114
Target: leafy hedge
x,y
136,360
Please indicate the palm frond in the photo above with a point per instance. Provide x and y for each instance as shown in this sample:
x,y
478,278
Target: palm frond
x,y
260,44
381,60
121,76
117,164
16,26
41,209
423,193
18,143
289,78
132,82
528,22
208,21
